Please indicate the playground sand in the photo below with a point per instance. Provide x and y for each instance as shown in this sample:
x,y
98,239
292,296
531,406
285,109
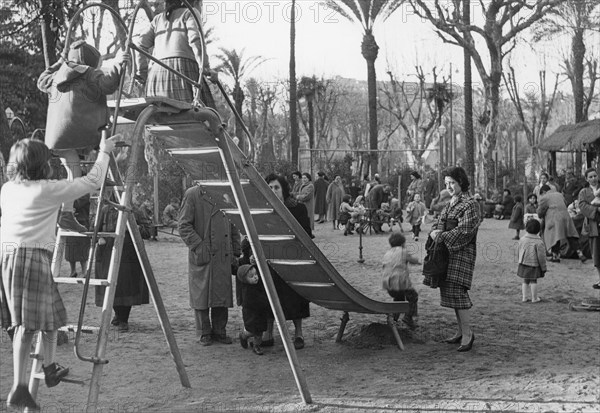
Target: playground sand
x,y
526,357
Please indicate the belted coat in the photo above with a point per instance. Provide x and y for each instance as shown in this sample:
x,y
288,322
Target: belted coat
x,y
214,245
461,240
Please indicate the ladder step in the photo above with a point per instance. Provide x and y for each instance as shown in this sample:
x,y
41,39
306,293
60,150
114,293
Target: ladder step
x,y
273,238
292,262
311,284
63,233
254,211
67,379
72,328
193,151
75,280
219,183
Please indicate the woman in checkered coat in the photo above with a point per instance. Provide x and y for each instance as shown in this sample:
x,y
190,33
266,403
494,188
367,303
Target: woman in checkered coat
x,y
457,229
29,297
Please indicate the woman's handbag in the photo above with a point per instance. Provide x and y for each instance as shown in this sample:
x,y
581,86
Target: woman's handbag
x,y
435,263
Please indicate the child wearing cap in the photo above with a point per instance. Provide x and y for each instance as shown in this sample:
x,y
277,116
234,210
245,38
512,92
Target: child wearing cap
x,y
77,110
255,307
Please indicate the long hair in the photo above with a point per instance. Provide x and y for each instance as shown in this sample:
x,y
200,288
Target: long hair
x,y
171,6
28,160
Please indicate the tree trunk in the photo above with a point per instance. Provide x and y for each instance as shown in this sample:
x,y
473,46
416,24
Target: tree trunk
x,y
370,50
295,138
578,55
311,123
49,9
238,98
468,90
5,133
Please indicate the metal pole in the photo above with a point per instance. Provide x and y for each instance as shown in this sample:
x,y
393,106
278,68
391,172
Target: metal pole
x,y
360,245
452,139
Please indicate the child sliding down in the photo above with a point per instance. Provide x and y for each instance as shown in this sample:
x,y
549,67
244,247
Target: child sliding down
x,y
77,111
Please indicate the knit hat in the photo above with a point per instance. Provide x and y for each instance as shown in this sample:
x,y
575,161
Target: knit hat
x,y
243,272
82,53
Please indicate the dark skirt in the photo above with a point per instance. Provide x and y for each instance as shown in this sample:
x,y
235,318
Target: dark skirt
x,y
131,285
77,249
293,304
29,296
529,273
162,82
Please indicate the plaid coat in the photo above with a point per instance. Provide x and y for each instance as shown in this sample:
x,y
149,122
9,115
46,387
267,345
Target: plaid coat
x,y
461,241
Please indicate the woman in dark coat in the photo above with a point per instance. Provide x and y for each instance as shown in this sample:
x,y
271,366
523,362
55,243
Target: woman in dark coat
x,y
516,216
320,195
131,285
295,307
457,230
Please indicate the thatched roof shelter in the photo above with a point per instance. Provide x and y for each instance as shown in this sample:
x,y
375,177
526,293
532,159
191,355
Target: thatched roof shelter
x,y
569,138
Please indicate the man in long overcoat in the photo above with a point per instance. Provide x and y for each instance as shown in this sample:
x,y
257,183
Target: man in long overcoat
x,y
214,245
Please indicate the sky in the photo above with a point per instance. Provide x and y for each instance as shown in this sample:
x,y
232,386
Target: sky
x,y
329,45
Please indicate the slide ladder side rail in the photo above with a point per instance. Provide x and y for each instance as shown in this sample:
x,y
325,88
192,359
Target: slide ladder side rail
x,y
252,234
125,220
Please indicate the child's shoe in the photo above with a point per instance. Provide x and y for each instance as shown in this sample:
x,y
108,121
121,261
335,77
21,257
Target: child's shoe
x,y
68,222
54,373
20,398
243,340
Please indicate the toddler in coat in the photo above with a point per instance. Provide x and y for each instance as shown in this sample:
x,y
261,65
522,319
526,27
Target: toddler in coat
x,y
415,212
396,277
532,260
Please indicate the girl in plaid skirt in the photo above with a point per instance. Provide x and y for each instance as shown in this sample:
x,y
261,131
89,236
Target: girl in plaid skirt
x,y
29,298
175,40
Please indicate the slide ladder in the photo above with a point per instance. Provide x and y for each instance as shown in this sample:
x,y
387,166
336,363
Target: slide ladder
x,y
125,221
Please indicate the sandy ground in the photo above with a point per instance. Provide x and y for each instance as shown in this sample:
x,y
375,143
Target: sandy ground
x,y
526,357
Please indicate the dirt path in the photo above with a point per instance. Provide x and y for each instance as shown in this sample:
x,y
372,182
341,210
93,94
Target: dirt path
x,y
526,357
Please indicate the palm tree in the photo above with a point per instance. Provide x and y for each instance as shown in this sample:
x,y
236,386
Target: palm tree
x,y
367,13
236,66
295,138
308,89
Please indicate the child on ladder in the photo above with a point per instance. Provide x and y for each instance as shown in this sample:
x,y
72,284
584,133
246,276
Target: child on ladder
x,y
77,111
29,298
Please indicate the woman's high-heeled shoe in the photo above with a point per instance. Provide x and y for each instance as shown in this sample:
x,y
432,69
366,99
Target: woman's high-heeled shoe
x,y
467,347
453,340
